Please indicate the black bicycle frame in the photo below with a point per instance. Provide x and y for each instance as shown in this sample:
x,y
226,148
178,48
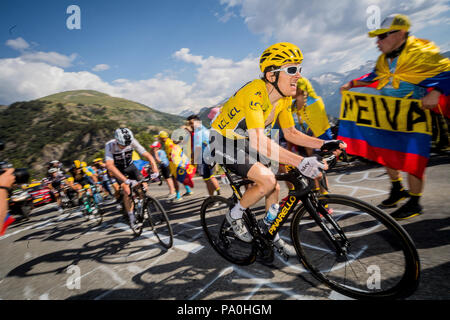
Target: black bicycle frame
x,y
301,192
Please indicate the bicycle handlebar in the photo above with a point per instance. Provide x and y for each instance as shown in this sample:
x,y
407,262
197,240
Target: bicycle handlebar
x,y
295,177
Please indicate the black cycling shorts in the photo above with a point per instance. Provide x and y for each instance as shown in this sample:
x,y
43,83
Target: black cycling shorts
x,y
235,155
131,172
165,172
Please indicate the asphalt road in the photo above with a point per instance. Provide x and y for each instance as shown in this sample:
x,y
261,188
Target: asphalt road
x,y
63,256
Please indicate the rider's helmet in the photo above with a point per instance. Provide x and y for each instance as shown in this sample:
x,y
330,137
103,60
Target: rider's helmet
x,y
98,160
123,136
280,54
52,170
77,164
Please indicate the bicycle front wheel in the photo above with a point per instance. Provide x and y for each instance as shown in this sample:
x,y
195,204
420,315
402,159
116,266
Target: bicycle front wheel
x,y
159,221
220,233
380,260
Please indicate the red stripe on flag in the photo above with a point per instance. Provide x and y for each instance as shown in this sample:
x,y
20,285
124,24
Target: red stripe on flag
x,y
407,162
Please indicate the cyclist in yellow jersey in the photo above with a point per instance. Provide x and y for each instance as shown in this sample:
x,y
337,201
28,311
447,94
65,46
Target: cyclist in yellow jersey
x,y
239,138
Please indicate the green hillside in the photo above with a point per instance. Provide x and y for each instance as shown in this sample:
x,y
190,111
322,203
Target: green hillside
x,y
73,125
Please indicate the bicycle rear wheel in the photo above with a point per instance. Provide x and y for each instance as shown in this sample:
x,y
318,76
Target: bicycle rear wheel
x,y
381,261
159,221
220,233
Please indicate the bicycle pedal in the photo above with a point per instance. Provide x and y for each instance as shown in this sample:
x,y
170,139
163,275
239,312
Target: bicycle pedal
x,y
283,254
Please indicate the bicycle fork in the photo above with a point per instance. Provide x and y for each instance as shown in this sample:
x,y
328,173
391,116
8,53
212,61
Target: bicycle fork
x,y
337,238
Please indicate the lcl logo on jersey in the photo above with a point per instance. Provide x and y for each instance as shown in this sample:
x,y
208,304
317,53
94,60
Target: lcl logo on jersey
x,y
233,112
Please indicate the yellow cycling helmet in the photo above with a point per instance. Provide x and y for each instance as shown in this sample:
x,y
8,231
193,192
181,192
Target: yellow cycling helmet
x,y
98,160
77,164
280,54
163,134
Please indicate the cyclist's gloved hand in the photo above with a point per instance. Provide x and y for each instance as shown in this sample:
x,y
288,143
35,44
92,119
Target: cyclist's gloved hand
x,y
154,176
131,183
331,145
310,167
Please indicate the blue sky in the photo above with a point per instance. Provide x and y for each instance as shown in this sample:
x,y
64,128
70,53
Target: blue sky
x,y
176,55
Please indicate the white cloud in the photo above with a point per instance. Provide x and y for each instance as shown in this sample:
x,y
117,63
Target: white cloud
x,y
21,79
17,44
32,76
217,78
101,67
51,58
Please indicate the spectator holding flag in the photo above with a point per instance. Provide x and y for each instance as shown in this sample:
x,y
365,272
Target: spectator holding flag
x,y
179,164
407,67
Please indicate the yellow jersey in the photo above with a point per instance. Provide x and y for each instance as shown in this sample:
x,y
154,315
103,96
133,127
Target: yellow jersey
x,y
250,108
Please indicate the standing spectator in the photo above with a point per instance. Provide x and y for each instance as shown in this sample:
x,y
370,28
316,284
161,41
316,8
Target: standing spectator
x,y
161,158
7,179
200,141
177,160
405,69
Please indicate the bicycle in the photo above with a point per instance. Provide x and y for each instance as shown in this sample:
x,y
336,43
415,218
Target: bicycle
x,y
149,209
358,250
67,195
90,203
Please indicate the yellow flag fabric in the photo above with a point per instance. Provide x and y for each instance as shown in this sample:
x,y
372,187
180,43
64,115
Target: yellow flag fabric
x,y
304,85
419,60
135,156
175,155
315,116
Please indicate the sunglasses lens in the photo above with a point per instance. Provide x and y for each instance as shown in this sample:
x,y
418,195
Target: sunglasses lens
x,y
293,70
382,36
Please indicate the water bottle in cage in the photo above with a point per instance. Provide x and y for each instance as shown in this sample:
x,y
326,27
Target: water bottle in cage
x,y
139,207
272,214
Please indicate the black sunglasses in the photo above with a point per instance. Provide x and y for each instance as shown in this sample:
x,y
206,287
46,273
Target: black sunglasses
x,y
384,35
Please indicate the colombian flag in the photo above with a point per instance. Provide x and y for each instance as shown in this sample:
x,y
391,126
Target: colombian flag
x,y
392,131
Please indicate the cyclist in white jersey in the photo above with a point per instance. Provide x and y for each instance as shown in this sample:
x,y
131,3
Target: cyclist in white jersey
x,y
119,161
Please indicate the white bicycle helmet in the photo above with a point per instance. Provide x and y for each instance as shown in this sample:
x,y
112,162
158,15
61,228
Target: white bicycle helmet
x,y
53,170
123,136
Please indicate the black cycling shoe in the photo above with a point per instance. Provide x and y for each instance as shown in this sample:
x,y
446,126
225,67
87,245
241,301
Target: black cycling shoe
x,y
407,211
395,197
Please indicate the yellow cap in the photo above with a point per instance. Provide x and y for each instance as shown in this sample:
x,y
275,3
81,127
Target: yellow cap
x,y
393,22
163,134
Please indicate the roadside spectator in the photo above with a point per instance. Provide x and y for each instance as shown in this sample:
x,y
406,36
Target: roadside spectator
x,y
200,140
7,179
161,158
405,69
177,160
